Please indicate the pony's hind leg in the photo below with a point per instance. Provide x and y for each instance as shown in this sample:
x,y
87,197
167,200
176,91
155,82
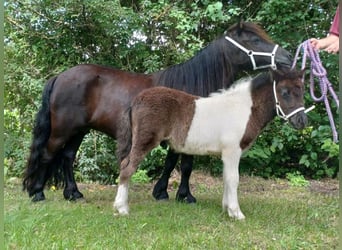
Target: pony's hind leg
x,y
160,189
71,191
183,193
45,169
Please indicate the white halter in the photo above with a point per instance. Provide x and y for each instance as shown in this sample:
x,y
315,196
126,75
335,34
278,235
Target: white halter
x,y
280,112
251,54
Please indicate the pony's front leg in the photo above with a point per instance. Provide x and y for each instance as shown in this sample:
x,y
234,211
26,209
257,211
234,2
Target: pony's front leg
x,y
230,203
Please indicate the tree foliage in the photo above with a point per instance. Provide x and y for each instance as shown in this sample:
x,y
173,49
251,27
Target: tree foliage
x,y
43,38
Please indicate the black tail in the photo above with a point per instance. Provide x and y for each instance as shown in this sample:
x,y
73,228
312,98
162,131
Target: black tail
x,y
41,134
124,138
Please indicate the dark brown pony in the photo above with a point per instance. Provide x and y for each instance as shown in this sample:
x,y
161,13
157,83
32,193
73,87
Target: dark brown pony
x,y
224,124
94,97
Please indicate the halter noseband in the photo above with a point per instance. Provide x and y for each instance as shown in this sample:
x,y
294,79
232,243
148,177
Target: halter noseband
x,y
281,113
251,54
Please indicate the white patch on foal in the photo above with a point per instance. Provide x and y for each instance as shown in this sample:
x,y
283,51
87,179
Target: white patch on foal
x,y
218,126
219,121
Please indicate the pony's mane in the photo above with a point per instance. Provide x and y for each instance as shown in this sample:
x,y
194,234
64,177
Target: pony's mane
x,y
251,27
210,69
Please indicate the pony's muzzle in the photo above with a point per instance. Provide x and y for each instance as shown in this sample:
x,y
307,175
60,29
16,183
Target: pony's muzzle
x,y
283,59
299,120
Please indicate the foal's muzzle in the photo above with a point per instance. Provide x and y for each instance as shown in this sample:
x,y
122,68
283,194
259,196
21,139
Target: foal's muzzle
x,y
299,120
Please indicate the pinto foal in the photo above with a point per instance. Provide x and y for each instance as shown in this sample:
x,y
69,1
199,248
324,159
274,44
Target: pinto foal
x,y
224,124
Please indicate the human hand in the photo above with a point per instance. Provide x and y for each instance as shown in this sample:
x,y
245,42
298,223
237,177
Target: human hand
x,y
330,44
333,48
316,43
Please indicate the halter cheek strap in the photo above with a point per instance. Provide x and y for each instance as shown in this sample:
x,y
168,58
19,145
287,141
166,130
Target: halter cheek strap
x,y
251,54
281,113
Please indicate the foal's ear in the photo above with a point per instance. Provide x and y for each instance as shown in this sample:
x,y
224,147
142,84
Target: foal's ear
x,y
302,72
277,75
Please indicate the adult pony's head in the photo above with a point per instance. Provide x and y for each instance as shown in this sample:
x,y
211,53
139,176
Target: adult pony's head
x,y
288,89
254,47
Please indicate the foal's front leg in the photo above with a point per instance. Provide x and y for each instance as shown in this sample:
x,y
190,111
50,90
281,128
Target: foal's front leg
x,y
230,203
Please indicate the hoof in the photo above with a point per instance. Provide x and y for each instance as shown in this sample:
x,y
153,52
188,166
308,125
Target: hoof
x,y
160,196
38,197
73,196
186,199
235,213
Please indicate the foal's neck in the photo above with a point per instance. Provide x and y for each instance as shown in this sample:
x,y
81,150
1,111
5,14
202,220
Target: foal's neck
x,y
263,110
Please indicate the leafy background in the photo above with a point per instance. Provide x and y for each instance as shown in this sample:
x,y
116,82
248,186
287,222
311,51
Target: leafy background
x,y
44,38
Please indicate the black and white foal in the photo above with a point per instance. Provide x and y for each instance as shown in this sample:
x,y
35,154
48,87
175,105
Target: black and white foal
x,y
225,124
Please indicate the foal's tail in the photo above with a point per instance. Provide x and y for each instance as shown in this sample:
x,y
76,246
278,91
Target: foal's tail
x,y
41,134
124,138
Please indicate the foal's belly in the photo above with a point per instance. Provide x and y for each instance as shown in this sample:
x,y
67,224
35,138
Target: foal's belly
x,y
198,149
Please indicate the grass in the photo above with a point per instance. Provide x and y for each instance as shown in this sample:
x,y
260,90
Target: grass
x,y
278,216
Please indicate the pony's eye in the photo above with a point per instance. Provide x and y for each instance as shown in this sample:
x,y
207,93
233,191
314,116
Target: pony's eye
x,y
255,40
285,93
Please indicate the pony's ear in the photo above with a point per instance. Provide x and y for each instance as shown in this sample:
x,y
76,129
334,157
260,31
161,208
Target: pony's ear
x,y
240,25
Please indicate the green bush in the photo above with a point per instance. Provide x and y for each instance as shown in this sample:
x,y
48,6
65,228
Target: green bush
x,y
310,151
96,161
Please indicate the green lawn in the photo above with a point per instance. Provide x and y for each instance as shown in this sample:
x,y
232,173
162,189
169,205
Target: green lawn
x,y
278,216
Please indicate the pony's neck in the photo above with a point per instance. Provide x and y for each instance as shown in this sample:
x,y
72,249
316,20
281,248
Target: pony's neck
x,y
210,69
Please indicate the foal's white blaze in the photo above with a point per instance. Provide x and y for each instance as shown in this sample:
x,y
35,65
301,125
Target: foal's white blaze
x,y
121,199
218,126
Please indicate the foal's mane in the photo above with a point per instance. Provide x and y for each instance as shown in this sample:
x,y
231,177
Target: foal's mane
x,y
210,69
267,77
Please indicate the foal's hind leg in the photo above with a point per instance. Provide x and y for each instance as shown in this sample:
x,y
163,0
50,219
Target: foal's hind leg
x,y
71,191
142,144
160,189
127,168
183,193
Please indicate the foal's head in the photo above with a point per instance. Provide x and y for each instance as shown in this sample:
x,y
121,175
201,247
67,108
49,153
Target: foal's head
x,y
289,92
253,38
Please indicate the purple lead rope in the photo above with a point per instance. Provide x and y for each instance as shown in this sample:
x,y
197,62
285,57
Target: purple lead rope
x,y
317,70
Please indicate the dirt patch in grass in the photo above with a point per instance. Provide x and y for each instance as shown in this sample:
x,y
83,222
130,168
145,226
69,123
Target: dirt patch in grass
x,y
253,184
247,184
327,186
